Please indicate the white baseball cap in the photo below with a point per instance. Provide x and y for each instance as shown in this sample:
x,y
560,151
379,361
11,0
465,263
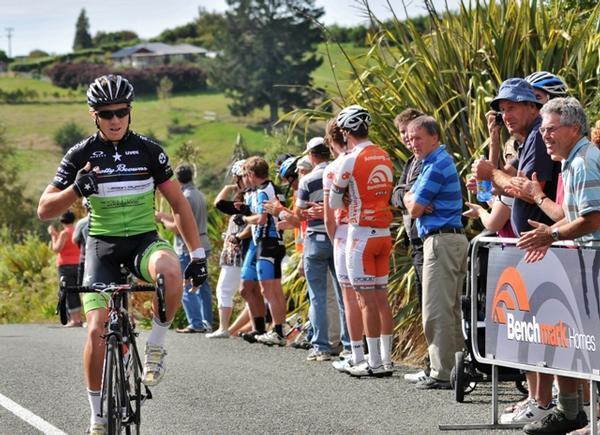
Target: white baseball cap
x,y
315,142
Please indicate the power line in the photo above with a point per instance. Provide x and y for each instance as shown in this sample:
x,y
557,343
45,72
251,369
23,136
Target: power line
x,y
9,31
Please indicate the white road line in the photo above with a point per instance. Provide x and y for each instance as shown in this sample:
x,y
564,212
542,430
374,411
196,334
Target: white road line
x,y
29,417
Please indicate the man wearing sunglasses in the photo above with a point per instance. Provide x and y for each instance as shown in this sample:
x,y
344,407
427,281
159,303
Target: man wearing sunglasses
x,y
127,169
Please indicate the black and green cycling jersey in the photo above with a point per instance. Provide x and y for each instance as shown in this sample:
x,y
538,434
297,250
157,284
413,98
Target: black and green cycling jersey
x,y
128,173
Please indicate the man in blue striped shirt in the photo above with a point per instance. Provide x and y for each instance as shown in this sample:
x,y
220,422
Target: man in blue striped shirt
x,y
564,125
318,255
435,201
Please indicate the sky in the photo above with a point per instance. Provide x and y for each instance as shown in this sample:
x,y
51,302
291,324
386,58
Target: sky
x,y
49,25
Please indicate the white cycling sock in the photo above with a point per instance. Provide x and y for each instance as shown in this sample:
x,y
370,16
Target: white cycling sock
x,y
374,355
358,352
386,349
158,332
95,405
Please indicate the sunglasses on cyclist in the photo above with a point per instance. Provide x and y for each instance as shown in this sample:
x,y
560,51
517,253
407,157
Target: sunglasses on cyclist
x,y
119,113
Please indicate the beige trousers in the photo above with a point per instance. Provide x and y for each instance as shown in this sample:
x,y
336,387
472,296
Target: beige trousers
x,y
444,271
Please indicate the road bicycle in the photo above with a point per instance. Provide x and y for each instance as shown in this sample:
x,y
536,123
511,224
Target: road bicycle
x,y
121,393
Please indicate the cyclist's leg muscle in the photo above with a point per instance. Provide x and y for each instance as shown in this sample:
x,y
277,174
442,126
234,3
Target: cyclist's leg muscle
x,y
93,352
166,263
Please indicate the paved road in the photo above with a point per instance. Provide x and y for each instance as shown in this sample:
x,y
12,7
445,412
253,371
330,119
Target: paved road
x,y
228,387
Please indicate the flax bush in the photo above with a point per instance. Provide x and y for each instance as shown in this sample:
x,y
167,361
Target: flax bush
x,y
28,280
452,72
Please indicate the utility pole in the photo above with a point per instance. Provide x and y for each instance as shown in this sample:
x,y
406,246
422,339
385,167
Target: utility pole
x,y
9,31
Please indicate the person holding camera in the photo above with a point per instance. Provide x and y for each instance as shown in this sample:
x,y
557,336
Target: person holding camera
x,y
520,110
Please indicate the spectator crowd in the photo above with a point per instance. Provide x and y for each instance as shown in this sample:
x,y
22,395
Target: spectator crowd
x,y
340,201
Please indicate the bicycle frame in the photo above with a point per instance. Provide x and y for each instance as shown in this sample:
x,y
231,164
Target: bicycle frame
x,y
119,375
121,326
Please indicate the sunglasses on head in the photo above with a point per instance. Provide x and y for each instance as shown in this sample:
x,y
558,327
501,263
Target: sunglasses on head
x,y
108,114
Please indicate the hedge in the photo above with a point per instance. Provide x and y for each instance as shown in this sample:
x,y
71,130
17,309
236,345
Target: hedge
x,y
185,78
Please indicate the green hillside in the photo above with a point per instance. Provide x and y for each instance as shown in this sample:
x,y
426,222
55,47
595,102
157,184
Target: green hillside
x,y
203,119
30,128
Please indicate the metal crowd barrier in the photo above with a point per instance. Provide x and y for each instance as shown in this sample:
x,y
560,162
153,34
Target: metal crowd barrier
x,y
542,317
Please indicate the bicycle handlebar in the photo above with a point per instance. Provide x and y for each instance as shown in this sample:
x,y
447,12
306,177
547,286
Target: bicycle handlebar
x,y
159,288
103,288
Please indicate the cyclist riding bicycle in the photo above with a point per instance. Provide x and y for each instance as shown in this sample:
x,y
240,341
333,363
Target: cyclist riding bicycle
x,y
127,169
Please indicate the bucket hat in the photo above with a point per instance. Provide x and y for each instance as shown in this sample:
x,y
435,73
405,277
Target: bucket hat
x,y
515,90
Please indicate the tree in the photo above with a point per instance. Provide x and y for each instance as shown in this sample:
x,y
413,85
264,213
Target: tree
x,y
3,56
111,38
17,210
268,54
33,54
83,39
206,30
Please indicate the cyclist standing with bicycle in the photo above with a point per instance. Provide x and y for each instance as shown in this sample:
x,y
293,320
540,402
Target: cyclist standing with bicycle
x,y
127,168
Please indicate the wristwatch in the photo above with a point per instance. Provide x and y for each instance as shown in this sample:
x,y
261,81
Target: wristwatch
x,y
539,200
555,234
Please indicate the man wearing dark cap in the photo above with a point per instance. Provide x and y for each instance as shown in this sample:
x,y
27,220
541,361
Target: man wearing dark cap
x,y
197,305
520,111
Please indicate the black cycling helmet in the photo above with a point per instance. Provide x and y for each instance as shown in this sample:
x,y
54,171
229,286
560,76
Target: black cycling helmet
x,y
547,82
109,89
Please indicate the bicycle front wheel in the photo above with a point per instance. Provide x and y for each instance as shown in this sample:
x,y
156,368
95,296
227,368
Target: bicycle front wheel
x,y
134,382
113,396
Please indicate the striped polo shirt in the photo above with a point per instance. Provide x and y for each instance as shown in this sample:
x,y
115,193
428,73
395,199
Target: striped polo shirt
x,y
581,177
438,184
310,189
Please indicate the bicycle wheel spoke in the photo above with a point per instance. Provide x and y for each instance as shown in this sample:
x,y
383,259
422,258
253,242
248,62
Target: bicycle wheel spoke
x,y
113,390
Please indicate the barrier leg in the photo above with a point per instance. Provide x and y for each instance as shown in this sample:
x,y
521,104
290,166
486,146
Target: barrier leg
x,y
593,407
494,394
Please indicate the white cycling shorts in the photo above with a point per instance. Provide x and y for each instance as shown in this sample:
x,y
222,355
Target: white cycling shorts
x,y
339,255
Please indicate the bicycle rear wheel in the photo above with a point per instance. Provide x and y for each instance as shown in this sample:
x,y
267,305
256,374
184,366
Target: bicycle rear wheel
x,y
112,393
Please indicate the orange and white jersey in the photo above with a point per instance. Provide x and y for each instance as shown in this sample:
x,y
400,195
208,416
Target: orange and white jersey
x,y
366,174
341,215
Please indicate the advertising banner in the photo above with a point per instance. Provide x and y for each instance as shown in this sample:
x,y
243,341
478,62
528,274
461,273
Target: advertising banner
x,y
545,313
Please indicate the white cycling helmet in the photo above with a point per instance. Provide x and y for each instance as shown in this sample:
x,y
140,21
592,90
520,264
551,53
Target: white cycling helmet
x,y
237,168
353,117
547,82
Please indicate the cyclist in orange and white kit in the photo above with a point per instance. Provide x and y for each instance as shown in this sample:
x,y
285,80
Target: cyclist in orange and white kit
x,y
336,224
366,176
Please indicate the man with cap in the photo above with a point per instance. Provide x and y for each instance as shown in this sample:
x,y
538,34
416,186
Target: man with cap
x,y
197,305
520,111
318,253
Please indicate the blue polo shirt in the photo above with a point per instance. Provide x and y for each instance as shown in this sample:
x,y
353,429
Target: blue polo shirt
x,y
581,178
438,184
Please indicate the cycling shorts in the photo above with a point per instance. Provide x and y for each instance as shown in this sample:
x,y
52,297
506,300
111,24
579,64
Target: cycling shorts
x,y
104,256
339,255
368,257
249,266
269,253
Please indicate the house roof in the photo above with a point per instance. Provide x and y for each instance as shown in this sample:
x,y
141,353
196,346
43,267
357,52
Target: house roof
x,y
157,49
